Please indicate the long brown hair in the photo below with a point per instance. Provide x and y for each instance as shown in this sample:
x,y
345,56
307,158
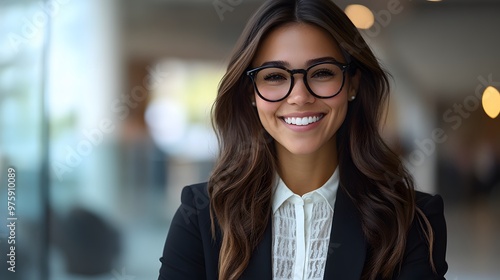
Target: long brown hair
x,y
240,187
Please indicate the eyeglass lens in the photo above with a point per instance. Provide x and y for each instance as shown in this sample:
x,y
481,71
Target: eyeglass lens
x,y
324,80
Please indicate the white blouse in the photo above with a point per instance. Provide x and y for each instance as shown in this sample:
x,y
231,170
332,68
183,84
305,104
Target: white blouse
x,y
301,230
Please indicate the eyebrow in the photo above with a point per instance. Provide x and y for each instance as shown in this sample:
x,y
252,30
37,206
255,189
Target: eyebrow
x,y
310,62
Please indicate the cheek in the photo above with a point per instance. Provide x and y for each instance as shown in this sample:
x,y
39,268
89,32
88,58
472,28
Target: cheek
x,y
338,103
264,107
338,109
267,112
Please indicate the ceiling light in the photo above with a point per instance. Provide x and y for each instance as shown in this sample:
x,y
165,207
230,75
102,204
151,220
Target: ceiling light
x,y
491,102
360,15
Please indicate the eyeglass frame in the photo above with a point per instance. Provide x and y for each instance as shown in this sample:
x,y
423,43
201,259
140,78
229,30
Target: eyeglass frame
x,y
343,67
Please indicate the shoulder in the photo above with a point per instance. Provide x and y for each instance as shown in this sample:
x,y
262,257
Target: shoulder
x,y
189,251
429,204
416,257
195,195
432,207
195,203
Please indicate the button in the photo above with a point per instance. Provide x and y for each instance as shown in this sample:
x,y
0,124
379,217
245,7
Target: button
x,y
295,199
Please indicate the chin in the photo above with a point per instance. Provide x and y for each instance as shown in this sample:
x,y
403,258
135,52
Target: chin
x,y
301,150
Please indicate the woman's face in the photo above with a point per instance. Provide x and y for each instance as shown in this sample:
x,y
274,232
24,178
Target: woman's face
x,y
296,45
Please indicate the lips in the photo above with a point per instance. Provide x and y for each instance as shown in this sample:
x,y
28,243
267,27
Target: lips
x,y
303,120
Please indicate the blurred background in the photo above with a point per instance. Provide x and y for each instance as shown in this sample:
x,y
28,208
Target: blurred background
x,y
105,116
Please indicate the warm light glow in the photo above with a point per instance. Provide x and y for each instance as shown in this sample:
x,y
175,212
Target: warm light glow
x,y
360,15
491,102
433,0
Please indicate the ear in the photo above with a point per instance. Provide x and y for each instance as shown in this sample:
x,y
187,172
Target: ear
x,y
353,85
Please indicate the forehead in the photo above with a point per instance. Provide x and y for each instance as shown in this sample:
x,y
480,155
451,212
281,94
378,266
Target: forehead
x,y
297,43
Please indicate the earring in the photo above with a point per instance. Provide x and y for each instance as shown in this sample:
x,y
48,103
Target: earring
x,y
353,97
253,103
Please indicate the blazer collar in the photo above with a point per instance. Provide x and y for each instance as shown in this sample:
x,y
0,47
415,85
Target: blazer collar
x,y
346,253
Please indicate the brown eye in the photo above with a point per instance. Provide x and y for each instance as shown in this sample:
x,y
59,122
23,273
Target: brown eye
x,y
274,77
322,73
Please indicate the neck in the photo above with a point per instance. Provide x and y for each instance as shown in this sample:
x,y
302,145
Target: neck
x,y
305,173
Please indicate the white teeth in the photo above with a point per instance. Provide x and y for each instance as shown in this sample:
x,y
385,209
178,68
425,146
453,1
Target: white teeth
x,y
302,121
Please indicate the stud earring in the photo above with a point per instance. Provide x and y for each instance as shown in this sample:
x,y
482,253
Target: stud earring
x,y
353,97
253,103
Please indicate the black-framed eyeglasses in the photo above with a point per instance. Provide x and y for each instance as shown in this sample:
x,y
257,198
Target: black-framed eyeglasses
x,y
323,80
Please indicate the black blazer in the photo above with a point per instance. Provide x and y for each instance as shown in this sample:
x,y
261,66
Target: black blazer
x,y
191,253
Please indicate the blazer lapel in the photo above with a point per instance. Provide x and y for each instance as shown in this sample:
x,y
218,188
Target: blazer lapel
x,y
260,265
347,250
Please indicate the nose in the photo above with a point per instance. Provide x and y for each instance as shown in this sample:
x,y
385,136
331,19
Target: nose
x,y
300,95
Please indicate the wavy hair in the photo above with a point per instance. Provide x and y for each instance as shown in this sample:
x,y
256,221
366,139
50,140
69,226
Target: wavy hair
x,y
240,187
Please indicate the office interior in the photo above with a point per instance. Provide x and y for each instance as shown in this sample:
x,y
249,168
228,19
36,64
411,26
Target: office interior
x,y
105,116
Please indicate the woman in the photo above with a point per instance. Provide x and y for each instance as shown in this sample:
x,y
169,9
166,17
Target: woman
x,y
304,187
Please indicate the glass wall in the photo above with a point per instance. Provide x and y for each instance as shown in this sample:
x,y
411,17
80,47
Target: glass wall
x,y
23,140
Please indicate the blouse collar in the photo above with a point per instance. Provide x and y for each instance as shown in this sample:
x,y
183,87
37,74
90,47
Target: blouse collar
x,y
328,191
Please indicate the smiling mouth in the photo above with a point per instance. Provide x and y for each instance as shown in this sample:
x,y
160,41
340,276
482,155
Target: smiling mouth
x,y
303,121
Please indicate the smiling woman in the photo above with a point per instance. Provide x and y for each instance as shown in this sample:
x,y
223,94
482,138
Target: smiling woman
x,y
304,186
321,95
